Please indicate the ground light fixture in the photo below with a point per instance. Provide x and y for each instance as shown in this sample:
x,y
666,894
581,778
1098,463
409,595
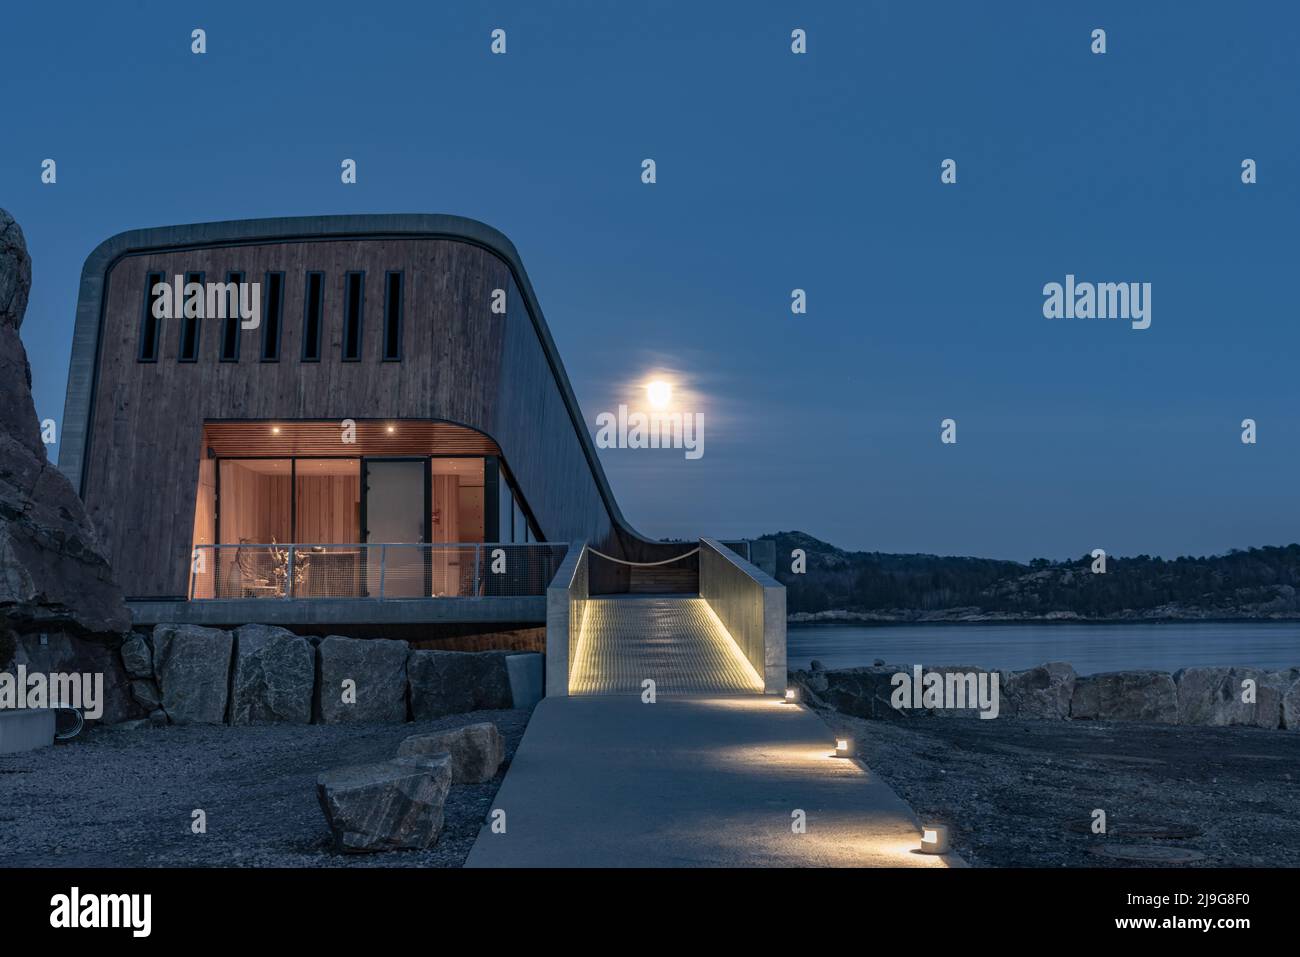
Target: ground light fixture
x,y
791,696
843,748
392,429
934,839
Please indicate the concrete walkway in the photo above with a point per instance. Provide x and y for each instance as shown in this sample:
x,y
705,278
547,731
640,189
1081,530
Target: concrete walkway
x,y
691,781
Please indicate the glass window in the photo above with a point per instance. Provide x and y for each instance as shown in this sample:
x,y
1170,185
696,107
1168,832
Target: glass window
x,y
190,324
202,558
230,325
505,509
254,516
150,325
457,500
393,317
327,501
313,310
272,313
354,304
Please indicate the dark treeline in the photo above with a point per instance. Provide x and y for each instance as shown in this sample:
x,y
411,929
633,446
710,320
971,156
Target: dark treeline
x,y
1257,581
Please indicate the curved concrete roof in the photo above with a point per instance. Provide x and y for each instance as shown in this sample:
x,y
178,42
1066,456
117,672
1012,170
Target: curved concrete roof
x,y
85,340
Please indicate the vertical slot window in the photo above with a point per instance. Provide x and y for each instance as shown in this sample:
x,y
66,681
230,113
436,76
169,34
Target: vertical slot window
x,y
272,312
354,303
189,351
230,325
313,308
393,317
150,325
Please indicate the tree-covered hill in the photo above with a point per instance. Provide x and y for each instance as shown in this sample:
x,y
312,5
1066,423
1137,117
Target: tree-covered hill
x,y
1255,583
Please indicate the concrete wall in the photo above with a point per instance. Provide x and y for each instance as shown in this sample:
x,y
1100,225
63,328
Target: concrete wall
x,y
566,606
751,604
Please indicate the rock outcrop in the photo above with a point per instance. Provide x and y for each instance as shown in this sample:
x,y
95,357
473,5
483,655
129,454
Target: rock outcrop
x,y
361,680
60,609
454,682
53,575
476,751
193,670
273,678
395,805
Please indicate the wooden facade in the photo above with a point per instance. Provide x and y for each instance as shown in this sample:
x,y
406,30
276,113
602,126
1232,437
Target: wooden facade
x,y
136,431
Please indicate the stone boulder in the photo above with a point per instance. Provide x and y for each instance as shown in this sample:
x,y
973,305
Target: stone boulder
x,y
390,806
1214,696
361,680
1126,696
146,694
62,653
193,669
137,657
1291,701
870,692
862,692
273,678
958,687
455,682
1041,692
476,750
53,574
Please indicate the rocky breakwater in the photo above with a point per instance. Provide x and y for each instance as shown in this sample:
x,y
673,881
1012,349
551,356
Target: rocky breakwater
x,y
1217,697
60,610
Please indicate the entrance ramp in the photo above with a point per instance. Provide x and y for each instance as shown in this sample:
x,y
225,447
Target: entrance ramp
x,y
675,640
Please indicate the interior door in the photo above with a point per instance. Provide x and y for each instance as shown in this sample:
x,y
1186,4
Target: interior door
x,y
395,514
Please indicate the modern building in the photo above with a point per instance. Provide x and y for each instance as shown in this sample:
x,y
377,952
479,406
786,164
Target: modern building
x,y
341,424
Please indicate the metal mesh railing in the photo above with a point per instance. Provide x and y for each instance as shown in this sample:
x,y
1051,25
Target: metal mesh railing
x,y
452,570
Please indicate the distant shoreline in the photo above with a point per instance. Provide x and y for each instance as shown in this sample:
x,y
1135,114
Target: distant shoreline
x,y
867,620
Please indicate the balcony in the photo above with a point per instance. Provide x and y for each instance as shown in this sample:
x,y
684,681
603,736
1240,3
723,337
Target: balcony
x,y
312,571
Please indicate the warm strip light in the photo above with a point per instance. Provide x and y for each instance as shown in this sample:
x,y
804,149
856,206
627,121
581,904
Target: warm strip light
x,y
736,653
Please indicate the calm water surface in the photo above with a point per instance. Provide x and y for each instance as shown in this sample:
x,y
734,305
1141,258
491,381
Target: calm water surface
x,y
1090,648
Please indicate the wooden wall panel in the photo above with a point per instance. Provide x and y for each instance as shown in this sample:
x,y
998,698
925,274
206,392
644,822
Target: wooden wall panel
x,y
461,363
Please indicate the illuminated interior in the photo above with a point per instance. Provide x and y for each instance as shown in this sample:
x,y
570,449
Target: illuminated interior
x,y
392,518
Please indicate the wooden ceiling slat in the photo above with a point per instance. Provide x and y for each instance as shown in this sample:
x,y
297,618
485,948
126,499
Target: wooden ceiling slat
x,y
409,437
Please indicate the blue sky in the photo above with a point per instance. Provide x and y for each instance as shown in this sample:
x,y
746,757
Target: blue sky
x,y
775,172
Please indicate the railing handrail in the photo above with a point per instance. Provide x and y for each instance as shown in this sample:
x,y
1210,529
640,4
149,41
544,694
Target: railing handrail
x,y
296,566
379,544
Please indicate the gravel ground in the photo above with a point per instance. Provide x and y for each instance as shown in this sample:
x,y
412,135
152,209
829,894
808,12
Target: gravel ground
x,y
125,798
1021,793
